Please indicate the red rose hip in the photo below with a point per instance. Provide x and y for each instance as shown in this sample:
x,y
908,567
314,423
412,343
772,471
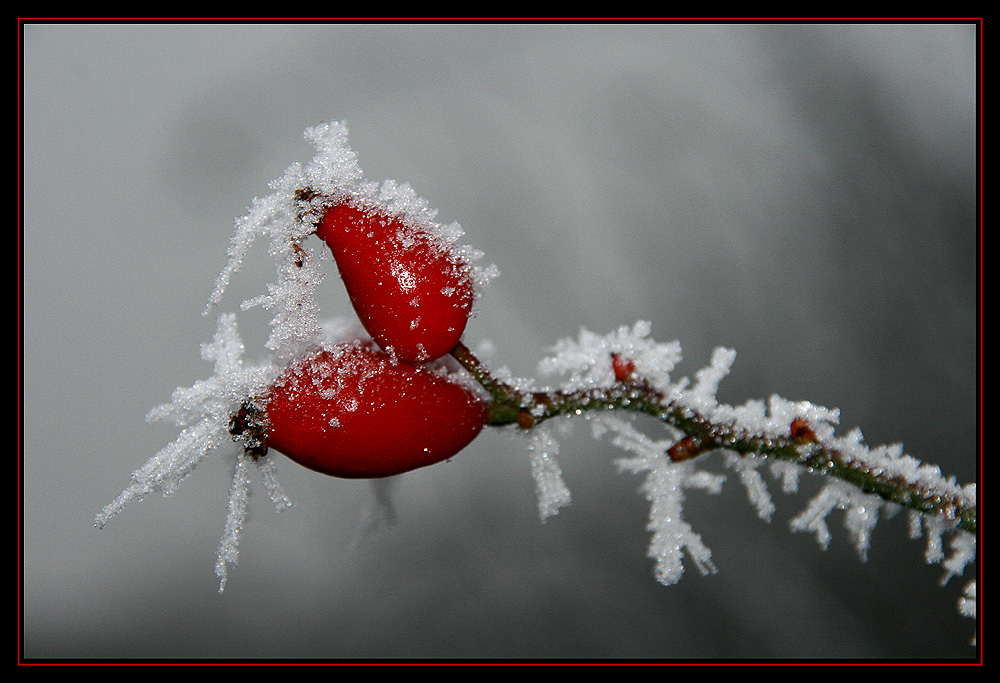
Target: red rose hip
x,y
411,292
353,412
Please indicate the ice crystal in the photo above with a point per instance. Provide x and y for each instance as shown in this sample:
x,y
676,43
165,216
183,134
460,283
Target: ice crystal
x,y
204,410
963,544
860,514
283,215
967,603
550,488
664,488
235,515
747,469
701,397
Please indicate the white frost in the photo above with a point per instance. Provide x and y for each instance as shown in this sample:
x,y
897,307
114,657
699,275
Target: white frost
x,y
664,488
550,488
542,446
585,362
754,484
236,513
860,514
204,411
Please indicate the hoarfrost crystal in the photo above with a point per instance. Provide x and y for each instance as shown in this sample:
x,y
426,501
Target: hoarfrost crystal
x,y
205,410
549,486
747,468
664,488
236,514
583,362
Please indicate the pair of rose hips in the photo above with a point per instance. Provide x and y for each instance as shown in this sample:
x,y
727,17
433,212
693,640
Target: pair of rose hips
x,y
358,411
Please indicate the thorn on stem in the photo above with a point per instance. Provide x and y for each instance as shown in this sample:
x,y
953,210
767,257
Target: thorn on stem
x,y
685,449
801,432
624,368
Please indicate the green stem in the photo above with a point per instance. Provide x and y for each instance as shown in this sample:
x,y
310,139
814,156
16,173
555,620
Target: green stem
x,y
510,405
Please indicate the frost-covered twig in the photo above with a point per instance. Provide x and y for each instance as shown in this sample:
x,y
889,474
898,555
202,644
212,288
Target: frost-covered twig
x,y
797,432
613,379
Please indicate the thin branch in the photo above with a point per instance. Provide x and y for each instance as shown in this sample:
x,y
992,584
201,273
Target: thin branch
x,y
511,405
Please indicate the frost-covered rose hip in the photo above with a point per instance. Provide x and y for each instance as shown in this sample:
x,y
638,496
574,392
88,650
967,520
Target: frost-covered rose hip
x,y
353,412
411,292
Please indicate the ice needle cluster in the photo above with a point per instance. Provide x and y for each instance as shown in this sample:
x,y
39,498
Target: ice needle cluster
x,y
204,411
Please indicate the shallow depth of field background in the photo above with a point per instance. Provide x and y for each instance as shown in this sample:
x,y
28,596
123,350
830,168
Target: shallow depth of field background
x,y
803,194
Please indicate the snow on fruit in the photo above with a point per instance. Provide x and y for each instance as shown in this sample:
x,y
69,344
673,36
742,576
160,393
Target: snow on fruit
x,y
353,412
411,292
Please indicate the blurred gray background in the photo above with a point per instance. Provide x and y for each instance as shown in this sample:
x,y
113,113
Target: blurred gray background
x,y
803,194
